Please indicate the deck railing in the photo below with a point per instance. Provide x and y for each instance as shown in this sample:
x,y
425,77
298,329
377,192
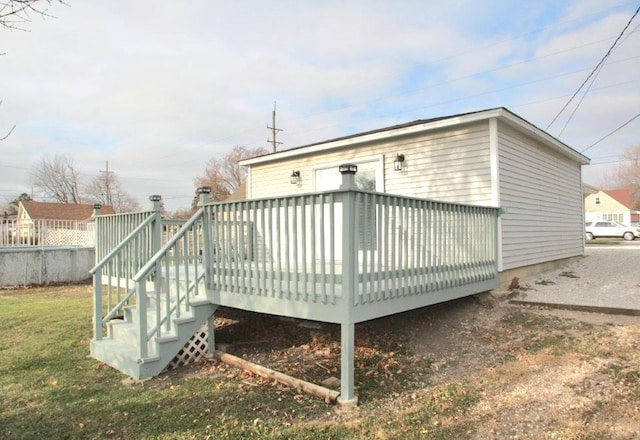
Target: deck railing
x,y
113,274
342,256
144,259
380,248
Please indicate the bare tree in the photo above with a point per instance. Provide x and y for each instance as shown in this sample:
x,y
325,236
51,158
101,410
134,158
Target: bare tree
x,y
627,175
106,189
14,13
224,175
58,179
181,214
8,133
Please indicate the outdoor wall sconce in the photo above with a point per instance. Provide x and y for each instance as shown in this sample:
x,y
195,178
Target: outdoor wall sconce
x,y
398,164
295,178
204,190
155,198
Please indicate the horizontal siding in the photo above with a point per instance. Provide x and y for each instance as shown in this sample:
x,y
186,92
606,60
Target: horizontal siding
x,y
541,192
447,165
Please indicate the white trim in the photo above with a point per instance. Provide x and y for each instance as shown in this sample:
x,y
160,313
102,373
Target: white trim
x,y
501,113
495,183
249,184
494,159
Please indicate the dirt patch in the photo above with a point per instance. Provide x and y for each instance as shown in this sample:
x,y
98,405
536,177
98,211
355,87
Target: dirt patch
x,y
485,367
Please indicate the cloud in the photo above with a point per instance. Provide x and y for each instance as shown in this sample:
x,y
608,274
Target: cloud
x,y
159,90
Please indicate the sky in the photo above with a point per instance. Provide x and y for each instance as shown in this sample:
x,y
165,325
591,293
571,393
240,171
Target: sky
x,y
159,88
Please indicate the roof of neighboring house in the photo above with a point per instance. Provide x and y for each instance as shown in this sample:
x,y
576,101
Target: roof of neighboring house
x,y
501,113
621,195
62,211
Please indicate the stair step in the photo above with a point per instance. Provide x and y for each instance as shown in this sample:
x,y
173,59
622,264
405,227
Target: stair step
x,y
119,349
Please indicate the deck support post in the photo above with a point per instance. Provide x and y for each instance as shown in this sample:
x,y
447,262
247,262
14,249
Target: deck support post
x,y
347,398
211,335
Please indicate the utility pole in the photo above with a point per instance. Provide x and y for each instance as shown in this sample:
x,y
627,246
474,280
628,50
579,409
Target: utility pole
x,y
107,184
273,129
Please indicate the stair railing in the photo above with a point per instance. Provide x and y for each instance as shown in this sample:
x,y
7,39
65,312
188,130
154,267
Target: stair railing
x,y
112,276
171,279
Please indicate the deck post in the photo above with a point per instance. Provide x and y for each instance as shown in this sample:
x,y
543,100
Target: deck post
x,y
157,224
347,398
97,281
203,199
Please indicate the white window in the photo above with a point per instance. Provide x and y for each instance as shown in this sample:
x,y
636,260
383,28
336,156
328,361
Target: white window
x,y
597,200
370,175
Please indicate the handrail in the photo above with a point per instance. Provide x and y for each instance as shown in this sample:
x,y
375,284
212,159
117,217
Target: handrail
x,y
118,306
154,329
122,244
144,270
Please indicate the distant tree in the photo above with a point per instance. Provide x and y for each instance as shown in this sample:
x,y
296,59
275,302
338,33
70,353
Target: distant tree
x,y
627,175
180,214
14,13
13,205
224,175
57,177
106,189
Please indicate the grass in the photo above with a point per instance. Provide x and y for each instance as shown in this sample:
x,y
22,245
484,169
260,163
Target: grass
x,y
51,388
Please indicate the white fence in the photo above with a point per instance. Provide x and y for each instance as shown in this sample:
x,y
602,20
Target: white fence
x,y
46,233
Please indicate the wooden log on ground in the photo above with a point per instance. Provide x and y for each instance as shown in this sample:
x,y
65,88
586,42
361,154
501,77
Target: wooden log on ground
x,y
329,396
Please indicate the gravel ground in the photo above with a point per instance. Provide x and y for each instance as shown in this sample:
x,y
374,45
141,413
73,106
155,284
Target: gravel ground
x,y
608,276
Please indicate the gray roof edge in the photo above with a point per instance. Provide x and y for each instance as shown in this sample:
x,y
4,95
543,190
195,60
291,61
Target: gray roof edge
x,y
423,125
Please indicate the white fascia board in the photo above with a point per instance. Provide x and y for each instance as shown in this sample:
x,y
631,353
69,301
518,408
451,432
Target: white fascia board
x,y
382,135
426,126
548,140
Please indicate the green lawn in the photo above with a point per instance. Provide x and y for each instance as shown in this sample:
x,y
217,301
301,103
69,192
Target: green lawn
x,y
51,389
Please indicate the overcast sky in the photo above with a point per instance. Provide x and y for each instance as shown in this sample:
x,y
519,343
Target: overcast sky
x,y
158,88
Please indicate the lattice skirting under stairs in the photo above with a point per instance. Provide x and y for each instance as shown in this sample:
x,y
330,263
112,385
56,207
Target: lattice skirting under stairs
x,y
193,350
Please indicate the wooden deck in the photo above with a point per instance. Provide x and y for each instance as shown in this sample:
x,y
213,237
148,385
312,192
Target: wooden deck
x,y
342,256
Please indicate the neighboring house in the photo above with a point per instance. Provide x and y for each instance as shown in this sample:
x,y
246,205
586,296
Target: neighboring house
x,y
611,205
491,157
55,223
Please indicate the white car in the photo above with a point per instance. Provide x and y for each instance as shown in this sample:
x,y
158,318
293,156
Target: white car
x,y
610,229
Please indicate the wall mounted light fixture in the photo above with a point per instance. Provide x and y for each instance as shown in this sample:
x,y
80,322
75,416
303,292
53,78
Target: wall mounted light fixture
x,y
295,178
398,164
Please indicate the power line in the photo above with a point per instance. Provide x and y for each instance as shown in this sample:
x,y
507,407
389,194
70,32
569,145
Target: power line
x,y
614,131
595,69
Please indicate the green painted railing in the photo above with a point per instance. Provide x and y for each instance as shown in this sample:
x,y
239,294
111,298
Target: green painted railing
x,y
170,281
113,274
315,248
342,256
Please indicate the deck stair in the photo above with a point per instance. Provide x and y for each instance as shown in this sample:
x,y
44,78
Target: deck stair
x,y
145,313
119,347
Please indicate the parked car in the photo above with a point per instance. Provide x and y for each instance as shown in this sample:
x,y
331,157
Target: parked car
x,y
610,229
